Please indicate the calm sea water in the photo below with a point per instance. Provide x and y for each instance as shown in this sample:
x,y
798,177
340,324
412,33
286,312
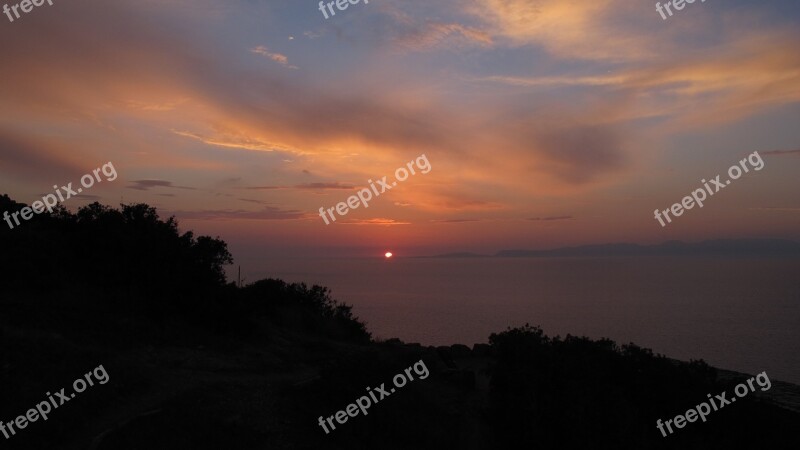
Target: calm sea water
x,y
739,314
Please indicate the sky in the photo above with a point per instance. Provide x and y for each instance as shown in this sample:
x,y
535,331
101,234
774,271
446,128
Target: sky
x,y
546,123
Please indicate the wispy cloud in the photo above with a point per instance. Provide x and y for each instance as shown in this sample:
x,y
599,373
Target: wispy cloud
x,y
571,29
155,106
563,80
34,157
551,219
250,200
776,209
782,152
268,213
233,140
430,35
305,187
377,221
324,186
264,188
93,198
144,185
277,57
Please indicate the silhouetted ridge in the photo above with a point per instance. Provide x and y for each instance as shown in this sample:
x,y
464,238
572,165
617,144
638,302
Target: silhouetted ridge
x,y
719,247
130,248
131,260
198,363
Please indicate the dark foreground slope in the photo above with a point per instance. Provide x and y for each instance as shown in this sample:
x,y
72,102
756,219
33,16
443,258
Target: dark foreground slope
x,y
196,363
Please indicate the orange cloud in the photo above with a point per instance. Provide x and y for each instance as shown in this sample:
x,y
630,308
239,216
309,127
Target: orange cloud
x,y
378,221
277,57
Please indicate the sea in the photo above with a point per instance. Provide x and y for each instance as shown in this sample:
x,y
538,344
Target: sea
x,y
740,314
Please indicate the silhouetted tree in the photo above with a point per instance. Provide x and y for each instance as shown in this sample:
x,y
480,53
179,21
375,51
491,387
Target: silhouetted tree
x,y
130,248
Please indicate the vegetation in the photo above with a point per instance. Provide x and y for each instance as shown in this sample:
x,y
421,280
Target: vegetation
x,y
197,362
131,255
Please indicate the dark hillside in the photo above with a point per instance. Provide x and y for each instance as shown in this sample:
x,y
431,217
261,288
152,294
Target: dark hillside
x,y
195,362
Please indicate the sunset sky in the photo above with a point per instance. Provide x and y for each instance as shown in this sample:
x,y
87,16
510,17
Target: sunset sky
x,y
547,123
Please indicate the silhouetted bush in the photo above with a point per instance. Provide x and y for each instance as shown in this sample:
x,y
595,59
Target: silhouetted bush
x,y
129,248
542,387
106,255
297,305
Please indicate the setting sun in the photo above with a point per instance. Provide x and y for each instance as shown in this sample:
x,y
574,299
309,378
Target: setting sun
x,y
388,254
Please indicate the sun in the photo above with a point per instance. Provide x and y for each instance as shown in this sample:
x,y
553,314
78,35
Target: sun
x,y
388,254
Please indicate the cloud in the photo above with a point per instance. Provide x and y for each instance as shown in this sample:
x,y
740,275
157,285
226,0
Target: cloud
x,y
268,213
454,220
264,188
782,152
588,30
463,204
157,107
775,209
713,69
748,75
277,57
233,181
239,141
324,186
551,219
377,221
249,200
563,80
35,157
418,26
580,153
93,198
217,101
144,185
432,35
305,187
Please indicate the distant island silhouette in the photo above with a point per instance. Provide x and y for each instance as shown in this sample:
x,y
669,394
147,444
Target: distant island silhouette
x,y
197,362
716,247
